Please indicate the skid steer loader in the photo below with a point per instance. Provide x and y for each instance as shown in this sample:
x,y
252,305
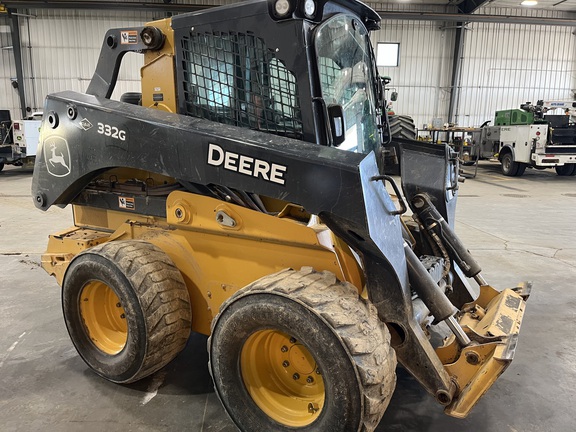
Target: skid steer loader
x,y
245,198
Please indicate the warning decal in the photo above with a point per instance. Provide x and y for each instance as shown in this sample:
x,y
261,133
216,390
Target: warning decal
x,y
129,37
126,203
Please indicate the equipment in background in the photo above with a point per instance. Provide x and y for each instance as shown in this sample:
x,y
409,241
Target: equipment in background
x,y
395,128
243,196
530,137
19,140
463,140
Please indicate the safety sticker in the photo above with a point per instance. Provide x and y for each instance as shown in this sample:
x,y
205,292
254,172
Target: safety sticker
x,y
126,203
128,37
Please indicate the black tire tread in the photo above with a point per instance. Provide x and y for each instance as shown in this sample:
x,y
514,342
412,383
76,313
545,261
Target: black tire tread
x,y
355,322
566,170
402,127
163,298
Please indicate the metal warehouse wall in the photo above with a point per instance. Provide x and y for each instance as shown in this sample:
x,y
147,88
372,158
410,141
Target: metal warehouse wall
x,y
60,50
422,77
505,65
8,95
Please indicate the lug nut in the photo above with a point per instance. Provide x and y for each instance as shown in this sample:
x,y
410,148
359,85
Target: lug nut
x,y
292,340
318,372
313,408
122,316
285,363
309,380
296,376
284,348
118,304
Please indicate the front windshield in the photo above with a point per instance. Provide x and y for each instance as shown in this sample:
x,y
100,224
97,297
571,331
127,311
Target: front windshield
x,y
347,79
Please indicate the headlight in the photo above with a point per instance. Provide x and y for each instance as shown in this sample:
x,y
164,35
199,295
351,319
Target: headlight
x,y
282,8
309,8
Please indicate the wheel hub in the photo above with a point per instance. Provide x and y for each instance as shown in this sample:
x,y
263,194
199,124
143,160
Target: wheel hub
x,y
282,378
103,317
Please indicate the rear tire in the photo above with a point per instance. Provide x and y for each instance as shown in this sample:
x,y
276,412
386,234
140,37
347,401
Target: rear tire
x,y
402,127
301,351
566,170
509,167
1,166
126,308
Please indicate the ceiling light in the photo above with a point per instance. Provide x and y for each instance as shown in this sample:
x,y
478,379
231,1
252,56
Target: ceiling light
x,y
529,3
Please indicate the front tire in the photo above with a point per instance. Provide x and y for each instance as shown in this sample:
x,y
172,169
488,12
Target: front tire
x,y
566,170
299,350
126,308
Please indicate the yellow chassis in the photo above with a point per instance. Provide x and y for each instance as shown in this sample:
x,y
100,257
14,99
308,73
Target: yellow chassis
x,y
217,260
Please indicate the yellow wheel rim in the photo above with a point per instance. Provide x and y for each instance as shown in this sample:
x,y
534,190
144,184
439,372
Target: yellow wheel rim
x,y
104,317
282,378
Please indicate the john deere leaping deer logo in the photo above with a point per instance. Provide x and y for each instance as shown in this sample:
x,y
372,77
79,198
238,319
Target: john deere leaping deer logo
x,y
57,156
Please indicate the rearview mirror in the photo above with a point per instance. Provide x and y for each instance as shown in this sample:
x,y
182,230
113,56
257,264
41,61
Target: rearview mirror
x,y
394,96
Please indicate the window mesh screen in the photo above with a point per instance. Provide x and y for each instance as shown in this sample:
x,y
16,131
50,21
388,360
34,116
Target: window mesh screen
x,y
233,78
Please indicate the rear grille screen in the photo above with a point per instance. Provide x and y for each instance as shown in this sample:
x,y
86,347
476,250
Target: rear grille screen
x,y
233,78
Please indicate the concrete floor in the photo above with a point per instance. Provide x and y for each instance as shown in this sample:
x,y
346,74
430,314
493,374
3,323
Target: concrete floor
x,y
518,228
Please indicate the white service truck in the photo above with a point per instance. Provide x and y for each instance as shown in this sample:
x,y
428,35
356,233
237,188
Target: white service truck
x,y
526,138
20,144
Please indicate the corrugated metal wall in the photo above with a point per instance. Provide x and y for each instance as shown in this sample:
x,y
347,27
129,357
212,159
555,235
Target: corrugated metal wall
x,y
422,77
60,50
505,65
8,95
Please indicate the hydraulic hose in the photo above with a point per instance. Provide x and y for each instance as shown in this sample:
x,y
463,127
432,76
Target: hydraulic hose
x,y
432,296
435,223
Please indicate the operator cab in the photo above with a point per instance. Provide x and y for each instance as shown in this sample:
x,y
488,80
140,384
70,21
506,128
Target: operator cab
x,y
326,91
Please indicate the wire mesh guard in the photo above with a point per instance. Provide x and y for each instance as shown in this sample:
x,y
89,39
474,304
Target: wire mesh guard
x,y
233,78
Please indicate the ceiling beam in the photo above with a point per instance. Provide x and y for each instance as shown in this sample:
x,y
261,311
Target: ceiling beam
x,y
458,17
393,15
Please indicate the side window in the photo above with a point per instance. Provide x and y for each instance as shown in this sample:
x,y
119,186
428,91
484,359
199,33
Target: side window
x,y
233,78
210,75
346,79
283,89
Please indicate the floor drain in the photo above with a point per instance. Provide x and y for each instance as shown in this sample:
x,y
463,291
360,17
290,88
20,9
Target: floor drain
x,y
571,195
516,196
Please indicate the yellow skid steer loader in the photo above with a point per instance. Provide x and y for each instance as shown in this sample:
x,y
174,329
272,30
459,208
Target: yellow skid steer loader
x,y
245,196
